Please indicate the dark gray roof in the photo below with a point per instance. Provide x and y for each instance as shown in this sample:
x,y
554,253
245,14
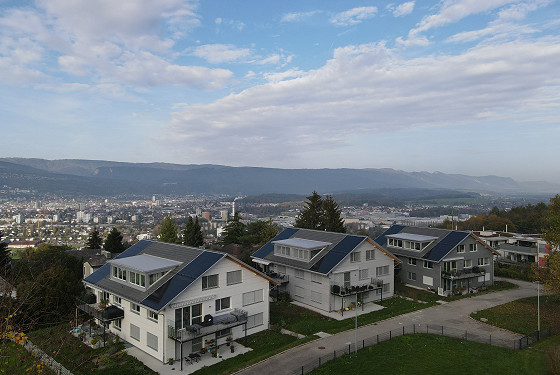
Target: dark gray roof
x,y
444,241
93,256
339,245
155,297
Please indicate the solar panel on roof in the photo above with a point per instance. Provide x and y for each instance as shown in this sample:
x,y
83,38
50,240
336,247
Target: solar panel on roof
x,y
337,253
445,245
382,240
269,246
192,271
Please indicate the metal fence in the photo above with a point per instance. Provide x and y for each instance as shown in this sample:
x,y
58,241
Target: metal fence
x,y
45,358
417,328
534,337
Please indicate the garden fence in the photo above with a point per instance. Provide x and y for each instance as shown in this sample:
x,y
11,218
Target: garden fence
x,y
413,329
45,358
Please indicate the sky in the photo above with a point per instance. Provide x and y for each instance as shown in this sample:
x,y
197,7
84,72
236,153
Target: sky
x,y
456,86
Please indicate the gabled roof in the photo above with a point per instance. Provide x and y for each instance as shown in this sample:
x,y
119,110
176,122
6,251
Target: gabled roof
x,y
335,247
187,265
443,241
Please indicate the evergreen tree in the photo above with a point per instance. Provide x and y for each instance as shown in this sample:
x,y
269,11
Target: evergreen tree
x,y
331,219
549,275
94,241
5,258
311,215
188,232
168,231
233,231
113,242
198,236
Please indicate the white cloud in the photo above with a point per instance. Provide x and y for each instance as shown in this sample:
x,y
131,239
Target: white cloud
x,y
404,9
367,89
353,16
298,16
220,53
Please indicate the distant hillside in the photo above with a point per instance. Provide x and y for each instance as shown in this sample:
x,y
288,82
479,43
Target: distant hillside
x,y
97,177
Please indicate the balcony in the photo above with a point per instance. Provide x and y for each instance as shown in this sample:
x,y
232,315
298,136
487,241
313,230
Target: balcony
x,y
210,325
100,312
466,273
278,277
360,287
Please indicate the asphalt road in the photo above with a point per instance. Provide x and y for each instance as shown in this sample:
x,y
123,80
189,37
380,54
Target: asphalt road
x,y
454,316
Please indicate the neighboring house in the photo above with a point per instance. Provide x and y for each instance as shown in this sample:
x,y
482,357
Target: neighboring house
x,y
515,247
93,259
171,300
326,270
446,261
17,248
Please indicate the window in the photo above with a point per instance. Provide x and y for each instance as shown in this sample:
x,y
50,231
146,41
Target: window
x,y
386,288
134,308
370,254
223,303
119,273
315,297
152,341
429,265
117,300
355,256
223,333
483,261
209,282
299,292
299,274
155,277
468,263
316,278
460,248
382,271
364,274
135,332
233,277
412,261
450,266
250,298
412,276
152,315
117,324
188,315
103,296
282,250
137,278
255,320
472,247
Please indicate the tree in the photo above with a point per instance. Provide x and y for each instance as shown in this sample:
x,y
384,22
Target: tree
x,y
168,231
113,242
311,215
94,241
259,233
5,258
331,220
549,275
233,231
192,234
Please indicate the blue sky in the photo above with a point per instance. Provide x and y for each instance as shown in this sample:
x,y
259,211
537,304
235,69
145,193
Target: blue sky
x,y
462,86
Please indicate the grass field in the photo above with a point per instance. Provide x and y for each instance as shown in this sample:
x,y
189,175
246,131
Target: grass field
x,y
14,359
521,315
432,354
306,322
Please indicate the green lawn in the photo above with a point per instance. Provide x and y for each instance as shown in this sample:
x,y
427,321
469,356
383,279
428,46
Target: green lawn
x,y
521,315
433,354
424,295
264,344
14,359
81,359
301,320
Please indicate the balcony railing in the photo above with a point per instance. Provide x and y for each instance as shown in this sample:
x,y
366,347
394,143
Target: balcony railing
x,y
278,277
219,322
359,287
100,312
464,273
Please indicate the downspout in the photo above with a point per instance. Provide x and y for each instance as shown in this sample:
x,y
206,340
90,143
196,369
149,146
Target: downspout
x,y
163,339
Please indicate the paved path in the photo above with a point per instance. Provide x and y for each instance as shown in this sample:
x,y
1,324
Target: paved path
x,y
453,314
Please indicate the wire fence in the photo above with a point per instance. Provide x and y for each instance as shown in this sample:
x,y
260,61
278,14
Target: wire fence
x,y
417,328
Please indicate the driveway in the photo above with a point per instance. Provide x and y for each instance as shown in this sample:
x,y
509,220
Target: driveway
x,y
453,315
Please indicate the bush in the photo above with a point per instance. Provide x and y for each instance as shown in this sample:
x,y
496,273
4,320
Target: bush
x,y
522,271
553,359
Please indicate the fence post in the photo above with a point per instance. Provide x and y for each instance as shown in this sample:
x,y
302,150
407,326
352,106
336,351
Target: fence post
x,y
403,330
414,328
349,348
301,370
490,339
442,330
378,339
363,344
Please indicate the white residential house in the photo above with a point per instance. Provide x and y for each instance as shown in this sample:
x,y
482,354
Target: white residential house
x,y
326,270
171,300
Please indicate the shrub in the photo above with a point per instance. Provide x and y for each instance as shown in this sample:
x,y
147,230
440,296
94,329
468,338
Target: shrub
x,y
553,359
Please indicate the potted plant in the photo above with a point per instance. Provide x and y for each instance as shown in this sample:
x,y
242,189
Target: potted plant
x,y
170,361
228,340
103,304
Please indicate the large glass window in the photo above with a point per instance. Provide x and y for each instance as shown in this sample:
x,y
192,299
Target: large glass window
x,y
188,315
223,303
137,278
